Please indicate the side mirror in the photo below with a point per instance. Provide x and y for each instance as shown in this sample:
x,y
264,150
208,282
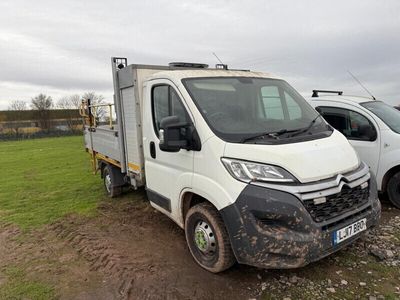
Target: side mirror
x,y
175,135
368,132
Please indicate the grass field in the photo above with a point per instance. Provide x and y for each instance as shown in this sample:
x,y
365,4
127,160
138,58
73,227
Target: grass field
x,y
44,179
18,287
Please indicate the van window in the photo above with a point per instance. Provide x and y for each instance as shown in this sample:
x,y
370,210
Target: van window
x,y
160,104
386,113
272,103
351,124
241,109
294,109
165,103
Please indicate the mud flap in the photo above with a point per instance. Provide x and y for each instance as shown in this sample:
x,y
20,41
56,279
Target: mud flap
x,y
117,177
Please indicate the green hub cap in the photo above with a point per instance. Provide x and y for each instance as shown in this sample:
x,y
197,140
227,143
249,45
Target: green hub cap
x,y
204,238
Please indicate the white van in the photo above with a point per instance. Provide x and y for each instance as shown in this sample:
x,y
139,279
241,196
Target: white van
x,y
373,129
238,159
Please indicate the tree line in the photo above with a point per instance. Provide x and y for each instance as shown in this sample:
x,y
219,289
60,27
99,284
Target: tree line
x,y
42,105
44,102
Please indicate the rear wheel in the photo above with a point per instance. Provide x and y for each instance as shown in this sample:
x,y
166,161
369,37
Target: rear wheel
x,y
109,183
393,189
208,239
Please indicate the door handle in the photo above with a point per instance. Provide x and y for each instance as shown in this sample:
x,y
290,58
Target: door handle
x,y
152,149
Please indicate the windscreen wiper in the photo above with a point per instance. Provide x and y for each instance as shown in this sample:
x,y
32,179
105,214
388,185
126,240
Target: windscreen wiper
x,y
306,129
274,135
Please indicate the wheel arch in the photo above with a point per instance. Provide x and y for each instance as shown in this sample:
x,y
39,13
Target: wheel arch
x,y
190,199
115,172
388,175
207,190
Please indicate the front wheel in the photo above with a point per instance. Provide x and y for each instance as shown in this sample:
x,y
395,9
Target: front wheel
x,y
208,239
393,189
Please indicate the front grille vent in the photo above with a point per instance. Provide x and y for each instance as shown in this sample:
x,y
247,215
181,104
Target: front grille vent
x,y
337,204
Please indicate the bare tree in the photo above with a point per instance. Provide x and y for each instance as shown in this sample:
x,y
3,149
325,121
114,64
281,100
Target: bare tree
x,y
95,99
42,104
18,107
70,104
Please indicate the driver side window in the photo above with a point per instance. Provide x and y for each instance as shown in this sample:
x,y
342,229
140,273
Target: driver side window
x,y
165,103
351,124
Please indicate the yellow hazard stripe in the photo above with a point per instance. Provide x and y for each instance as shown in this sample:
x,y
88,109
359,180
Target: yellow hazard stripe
x,y
114,162
107,159
134,166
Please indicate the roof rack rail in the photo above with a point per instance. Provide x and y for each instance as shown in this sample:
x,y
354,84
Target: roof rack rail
x,y
315,92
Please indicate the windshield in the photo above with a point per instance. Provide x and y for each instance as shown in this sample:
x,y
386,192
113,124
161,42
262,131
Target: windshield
x,y
260,110
386,113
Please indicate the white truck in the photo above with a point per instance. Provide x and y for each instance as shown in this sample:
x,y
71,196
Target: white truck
x,y
238,159
373,129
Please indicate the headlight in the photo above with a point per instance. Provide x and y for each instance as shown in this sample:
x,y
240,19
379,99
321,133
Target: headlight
x,y
249,171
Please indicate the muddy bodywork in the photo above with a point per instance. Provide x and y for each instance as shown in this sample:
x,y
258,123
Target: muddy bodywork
x,y
272,229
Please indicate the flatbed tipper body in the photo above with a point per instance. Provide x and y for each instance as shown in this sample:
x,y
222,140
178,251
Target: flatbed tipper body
x,y
121,144
236,158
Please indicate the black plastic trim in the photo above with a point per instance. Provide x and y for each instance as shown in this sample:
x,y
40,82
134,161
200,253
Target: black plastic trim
x,y
272,229
159,199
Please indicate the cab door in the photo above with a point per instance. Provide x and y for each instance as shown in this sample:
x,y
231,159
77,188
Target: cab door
x,y
359,128
167,173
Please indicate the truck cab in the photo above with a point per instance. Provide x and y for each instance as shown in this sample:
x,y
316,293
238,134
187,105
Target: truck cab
x,y
373,129
239,160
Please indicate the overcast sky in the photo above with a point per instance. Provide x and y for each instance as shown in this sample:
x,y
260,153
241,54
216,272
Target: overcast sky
x,y
64,47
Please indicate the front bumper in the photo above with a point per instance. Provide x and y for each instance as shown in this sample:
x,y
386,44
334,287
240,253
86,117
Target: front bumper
x,y
272,229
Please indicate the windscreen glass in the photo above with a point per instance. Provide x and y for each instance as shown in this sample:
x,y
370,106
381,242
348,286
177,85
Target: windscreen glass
x,y
386,113
243,109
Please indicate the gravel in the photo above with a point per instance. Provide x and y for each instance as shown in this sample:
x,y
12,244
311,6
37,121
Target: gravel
x,y
381,244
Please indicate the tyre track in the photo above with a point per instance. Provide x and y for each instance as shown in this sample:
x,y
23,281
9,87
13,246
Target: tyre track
x,y
143,255
101,256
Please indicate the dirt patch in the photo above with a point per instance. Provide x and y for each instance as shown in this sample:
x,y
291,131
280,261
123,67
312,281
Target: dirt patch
x,y
42,258
131,251
146,254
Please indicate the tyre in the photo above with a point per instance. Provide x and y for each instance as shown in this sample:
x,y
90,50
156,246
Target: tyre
x,y
393,189
111,189
208,239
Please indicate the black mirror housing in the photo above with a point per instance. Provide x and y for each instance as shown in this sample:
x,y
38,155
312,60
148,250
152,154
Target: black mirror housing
x,y
175,135
368,132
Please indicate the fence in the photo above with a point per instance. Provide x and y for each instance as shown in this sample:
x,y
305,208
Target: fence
x,y
16,125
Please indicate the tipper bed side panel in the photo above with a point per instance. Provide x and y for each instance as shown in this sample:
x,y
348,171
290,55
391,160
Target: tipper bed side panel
x,y
130,85
104,141
133,134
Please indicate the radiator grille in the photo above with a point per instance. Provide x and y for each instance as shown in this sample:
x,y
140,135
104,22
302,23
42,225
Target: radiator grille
x,y
337,204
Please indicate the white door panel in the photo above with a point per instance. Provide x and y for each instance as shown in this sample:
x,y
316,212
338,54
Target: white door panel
x,y
167,173
368,152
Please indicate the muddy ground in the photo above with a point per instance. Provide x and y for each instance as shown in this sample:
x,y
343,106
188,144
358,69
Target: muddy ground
x,y
131,251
